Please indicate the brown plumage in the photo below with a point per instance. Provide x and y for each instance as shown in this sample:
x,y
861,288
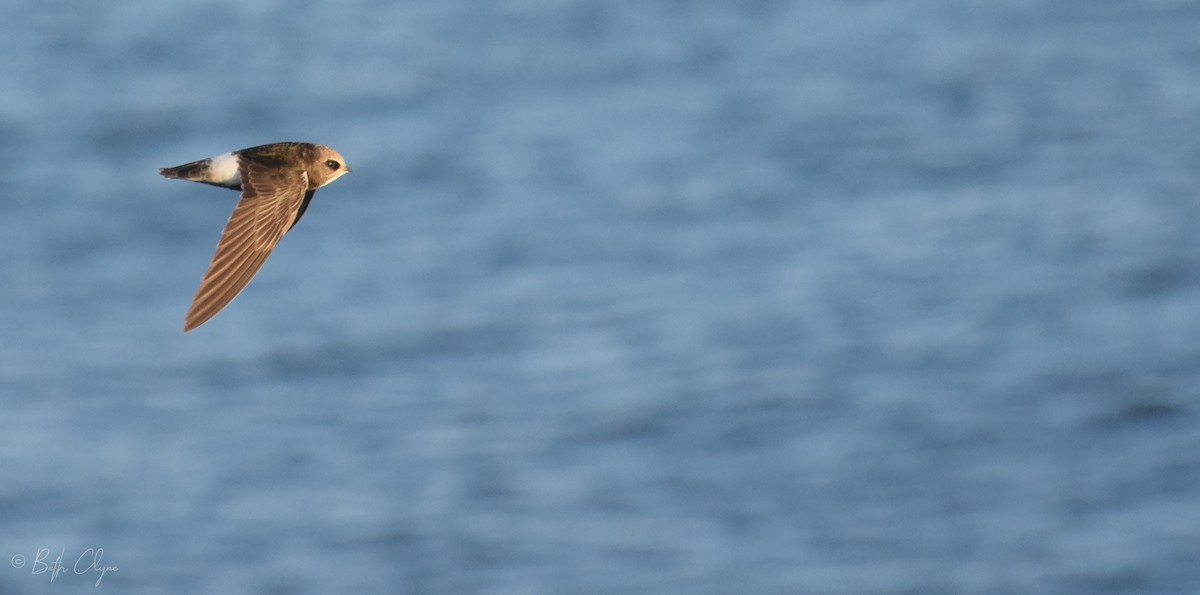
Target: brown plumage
x,y
277,182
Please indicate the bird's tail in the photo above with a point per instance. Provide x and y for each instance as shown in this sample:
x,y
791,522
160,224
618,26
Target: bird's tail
x,y
195,171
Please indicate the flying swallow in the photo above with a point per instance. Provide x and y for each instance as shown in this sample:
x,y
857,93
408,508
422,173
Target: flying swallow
x,y
277,181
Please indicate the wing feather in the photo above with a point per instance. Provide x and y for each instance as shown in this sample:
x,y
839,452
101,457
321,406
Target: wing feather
x,y
271,199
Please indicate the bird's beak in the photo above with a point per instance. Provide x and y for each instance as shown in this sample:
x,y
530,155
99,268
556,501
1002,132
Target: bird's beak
x,y
348,170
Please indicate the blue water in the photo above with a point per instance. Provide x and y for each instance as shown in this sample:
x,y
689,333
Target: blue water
x,y
655,296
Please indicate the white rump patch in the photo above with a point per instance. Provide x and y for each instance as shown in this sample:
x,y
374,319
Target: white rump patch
x,y
224,170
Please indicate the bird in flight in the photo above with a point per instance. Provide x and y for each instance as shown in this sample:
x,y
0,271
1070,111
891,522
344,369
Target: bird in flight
x,y
277,181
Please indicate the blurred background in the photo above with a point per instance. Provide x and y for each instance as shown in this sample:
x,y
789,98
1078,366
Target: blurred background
x,y
623,296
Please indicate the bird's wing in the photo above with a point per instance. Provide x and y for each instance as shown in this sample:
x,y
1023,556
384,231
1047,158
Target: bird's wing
x,y
271,197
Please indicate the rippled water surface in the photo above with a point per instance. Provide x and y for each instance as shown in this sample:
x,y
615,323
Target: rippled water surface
x,y
668,297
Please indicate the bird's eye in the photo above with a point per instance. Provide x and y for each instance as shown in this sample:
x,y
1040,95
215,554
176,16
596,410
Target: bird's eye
x,y
331,164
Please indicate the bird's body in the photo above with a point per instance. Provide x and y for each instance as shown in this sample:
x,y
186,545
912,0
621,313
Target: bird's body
x,y
277,181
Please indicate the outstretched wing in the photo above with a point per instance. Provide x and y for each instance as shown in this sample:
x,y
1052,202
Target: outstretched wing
x,y
271,198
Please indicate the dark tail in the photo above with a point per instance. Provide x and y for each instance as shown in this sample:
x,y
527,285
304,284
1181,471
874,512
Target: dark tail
x,y
195,170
